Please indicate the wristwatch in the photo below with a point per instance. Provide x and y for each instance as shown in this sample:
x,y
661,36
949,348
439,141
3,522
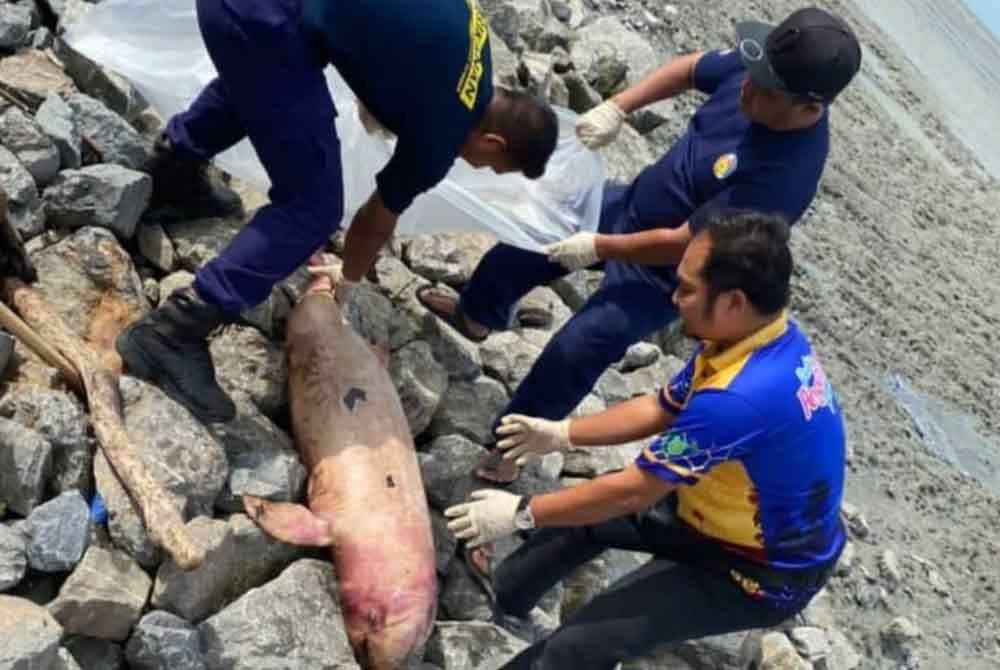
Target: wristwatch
x,y
523,520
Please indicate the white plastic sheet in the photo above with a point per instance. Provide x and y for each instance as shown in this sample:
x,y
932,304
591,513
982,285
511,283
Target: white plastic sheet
x,y
156,44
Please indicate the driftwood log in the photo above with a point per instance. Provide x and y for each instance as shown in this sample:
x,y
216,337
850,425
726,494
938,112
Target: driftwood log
x,y
99,386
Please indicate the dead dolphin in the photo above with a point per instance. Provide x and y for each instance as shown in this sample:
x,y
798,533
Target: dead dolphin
x,y
365,495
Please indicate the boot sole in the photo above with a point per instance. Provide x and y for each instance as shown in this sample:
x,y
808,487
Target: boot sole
x,y
139,365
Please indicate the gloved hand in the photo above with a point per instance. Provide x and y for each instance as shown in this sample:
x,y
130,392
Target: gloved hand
x,y
600,125
489,517
371,124
330,266
575,252
527,436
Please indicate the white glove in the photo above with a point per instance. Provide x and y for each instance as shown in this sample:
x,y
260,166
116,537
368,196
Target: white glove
x,y
527,436
490,517
371,124
331,267
600,125
576,252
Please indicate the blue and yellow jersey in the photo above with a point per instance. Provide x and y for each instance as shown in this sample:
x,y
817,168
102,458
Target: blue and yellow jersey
x,y
757,449
421,67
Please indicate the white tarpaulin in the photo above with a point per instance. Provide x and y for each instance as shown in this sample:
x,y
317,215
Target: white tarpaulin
x,y
156,44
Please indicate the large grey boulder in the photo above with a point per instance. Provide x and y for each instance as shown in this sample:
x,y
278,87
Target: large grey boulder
x,y
577,287
462,599
545,309
238,557
774,651
15,24
155,246
90,282
60,418
611,57
181,454
464,645
92,654
109,134
292,622
13,557
509,355
102,84
504,61
59,532
27,139
469,409
174,282
66,661
109,196
25,463
24,207
598,460
198,241
595,576
163,641
628,154
104,597
262,459
249,364
447,467
444,543
32,75
420,381
30,635
449,258
58,122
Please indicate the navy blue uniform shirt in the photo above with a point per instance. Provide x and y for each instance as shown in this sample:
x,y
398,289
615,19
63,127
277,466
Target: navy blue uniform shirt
x,y
421,67
724,160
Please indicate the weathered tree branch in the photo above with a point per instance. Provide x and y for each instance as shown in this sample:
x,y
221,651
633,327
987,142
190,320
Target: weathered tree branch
x,y
163,521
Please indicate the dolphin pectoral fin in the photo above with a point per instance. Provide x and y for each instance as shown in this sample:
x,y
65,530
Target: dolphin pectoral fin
x,y
289,522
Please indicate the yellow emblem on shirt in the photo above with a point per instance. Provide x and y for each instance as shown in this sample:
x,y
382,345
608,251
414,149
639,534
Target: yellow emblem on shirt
x,y
472,74
725,165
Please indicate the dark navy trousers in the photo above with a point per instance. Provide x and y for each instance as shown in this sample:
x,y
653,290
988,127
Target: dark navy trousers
x,y
271,89
631,303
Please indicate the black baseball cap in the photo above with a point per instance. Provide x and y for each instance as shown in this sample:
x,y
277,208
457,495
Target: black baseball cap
x,y
811,55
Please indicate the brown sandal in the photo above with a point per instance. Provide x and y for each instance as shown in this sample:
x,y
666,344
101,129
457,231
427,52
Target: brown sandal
x,y
494,468
477,560
456,319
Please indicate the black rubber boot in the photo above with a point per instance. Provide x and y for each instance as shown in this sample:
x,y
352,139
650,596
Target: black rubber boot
x,y
184,185
169,347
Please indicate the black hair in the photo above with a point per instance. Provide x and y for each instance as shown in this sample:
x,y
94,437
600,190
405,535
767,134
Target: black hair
x,y
749,252
530,127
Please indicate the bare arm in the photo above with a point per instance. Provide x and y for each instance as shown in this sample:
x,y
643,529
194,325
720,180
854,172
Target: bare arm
x,y
662,246
627,492
371,229
664,82
631,420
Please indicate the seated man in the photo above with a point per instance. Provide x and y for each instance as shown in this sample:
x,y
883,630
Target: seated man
x,y
746,474
760,141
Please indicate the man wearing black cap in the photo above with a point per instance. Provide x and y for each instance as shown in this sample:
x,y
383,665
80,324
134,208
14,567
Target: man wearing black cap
x,y
759,141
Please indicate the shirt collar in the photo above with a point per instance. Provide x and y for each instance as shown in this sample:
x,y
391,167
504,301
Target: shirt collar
x,y
767,334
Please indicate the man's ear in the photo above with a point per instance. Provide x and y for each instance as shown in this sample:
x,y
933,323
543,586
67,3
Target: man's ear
x,y
735,301
493,142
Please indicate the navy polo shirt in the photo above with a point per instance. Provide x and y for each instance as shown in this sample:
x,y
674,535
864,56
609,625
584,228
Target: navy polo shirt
x,y
724,160
421,67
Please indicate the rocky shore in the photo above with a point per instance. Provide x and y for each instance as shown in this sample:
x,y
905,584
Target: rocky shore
x,y
895,268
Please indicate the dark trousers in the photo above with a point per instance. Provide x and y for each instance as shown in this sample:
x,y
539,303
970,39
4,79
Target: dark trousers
x,y
631,303
271,89
684,592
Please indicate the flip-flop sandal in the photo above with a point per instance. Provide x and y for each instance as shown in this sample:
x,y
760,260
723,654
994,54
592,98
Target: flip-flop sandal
x,y
455,318
494,468
477,560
